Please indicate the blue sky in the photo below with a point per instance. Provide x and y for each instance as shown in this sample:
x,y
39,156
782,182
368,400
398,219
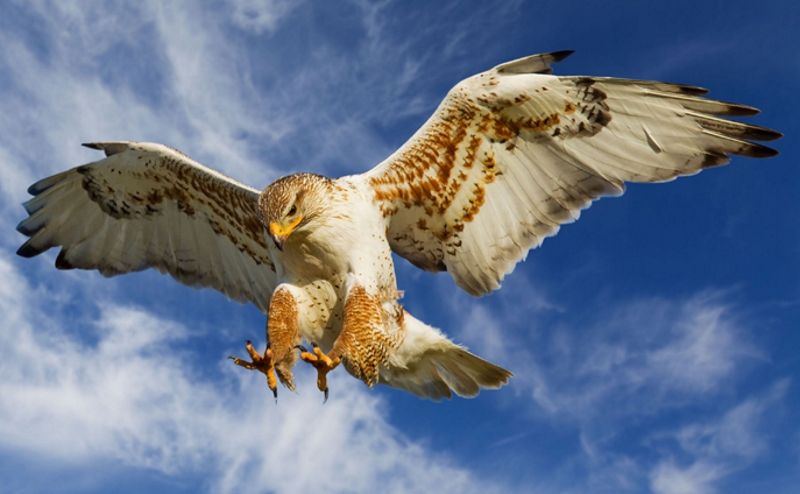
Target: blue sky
x,y
655,341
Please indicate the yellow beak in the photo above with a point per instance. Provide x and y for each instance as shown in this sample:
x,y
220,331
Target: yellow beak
x,y
280,232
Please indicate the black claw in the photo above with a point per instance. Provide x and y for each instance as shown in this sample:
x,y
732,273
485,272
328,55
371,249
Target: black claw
x,y
249,342
314,345
302,348
275,394
326,396
232,357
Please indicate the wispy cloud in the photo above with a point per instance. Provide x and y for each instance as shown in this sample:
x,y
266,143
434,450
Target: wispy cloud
x,y
639,356
259,16
717,447
643,360
132,397
133,71
696,479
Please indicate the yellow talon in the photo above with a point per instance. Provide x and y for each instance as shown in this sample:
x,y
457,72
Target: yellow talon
x,y
264,364
322,363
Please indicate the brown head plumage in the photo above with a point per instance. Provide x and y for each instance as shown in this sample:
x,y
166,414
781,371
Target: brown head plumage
x,y
291,203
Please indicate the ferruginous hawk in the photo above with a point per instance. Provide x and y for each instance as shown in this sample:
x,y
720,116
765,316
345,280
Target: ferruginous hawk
x,y
509,156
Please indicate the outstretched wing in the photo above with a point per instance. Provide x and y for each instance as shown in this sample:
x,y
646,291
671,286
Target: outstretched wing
x,y
513,153
147,205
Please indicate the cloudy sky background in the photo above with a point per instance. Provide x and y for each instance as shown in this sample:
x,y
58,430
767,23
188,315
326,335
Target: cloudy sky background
x,y
655,342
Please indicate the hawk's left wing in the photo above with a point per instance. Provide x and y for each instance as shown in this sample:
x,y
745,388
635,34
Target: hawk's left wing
x,y
512,153
148,205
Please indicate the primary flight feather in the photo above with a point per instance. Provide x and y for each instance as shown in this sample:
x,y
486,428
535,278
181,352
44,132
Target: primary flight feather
x,y
509,156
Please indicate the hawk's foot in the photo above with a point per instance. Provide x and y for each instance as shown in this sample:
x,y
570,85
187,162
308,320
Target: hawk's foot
x,y
322,363
262,363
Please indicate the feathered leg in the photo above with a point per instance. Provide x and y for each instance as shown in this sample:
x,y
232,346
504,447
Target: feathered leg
x,y
371,330
282,335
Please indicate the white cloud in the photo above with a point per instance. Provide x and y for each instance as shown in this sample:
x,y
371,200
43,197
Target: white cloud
x,y
133,397
706,345
131,71
259,15
637,363
719,447
696,479
637,357
736,434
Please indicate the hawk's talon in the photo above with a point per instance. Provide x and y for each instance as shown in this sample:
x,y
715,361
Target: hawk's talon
x,y
262,363
321,362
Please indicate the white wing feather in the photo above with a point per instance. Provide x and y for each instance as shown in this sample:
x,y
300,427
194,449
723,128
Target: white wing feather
x,y
147,205
511,154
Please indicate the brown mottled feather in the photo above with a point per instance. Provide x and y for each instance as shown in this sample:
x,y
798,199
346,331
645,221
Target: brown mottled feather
x,y
146,205
366,340
282,333
511,154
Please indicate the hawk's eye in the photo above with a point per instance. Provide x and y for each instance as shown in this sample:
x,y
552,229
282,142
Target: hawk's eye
x,y
293,210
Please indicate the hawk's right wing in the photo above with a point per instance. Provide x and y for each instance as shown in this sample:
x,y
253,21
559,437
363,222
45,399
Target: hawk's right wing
x,y
148,205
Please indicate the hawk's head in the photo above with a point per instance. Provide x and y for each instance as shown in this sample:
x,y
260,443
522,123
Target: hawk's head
x,y
292,203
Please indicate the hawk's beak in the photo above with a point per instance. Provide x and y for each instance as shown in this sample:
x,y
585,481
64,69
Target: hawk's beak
x,y
280,233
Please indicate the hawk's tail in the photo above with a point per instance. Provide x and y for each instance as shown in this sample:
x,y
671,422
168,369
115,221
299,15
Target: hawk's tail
x,y
429,365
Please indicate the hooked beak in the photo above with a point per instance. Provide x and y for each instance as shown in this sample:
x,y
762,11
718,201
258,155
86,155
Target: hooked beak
x,y
280,233
279,240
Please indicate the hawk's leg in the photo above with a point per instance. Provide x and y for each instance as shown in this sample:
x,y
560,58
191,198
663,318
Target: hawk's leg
x,y
263,363
322,363
370,332
282,335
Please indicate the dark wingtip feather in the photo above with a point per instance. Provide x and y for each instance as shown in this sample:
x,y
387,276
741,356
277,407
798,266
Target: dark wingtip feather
x,y
692,90
61,261
673,87
756,133
738,110
736,129
714,158
764,152
753,150
561,55
109,148
28,251
44,184
775,133
25,229
533,64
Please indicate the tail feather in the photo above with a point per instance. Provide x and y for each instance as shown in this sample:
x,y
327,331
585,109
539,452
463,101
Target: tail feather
x,y
431,366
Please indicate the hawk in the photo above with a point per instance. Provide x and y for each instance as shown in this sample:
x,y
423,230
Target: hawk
x,y
509,156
